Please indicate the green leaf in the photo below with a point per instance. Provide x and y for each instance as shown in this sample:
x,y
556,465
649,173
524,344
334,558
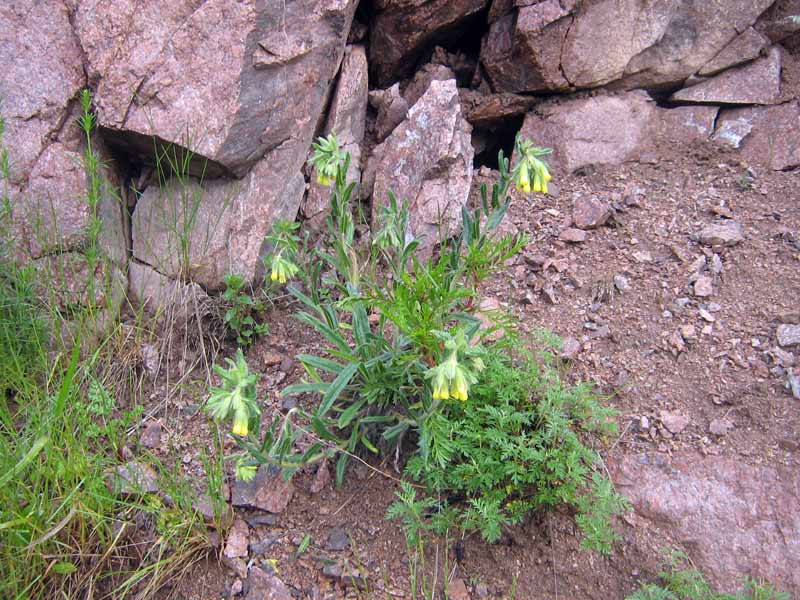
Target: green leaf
x,y
318,362
350,412
341,465
337,387
305,388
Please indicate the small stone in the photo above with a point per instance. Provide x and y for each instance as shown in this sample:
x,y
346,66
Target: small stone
x,y
262,519
287,364
204,505
621,283
788,335
190,409
573,235
794,385
600,333
714,307
266,586
268,491
790,317
151,435
549,294
642,256
706,316
667,314
237,587
321,479
689,333
150,358
338,539
261,547
187,458
238,540
725,233
570,348
644,423
703,287
720,426
677,342
588,213
674,422
716,265
132,479
707,330
333,571
698,265
682,302
288,403
782,357
457,590
272,358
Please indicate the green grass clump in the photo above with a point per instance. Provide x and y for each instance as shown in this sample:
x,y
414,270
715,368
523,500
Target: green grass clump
x,y
680,580
63,532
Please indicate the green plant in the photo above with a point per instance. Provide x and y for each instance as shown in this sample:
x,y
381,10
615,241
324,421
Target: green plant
x,y
61,528
680,580
281,262
409,358
241,310
516,446
412,512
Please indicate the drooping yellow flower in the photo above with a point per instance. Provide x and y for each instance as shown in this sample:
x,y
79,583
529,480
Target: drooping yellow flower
x,y
322,179
523,181
460,388
240,421
440,388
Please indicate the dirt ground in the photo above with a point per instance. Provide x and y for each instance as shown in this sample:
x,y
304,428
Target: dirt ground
x,y
646,339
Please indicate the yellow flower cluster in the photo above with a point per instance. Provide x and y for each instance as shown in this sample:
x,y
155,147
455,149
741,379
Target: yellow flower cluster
x,y
451,378
532,165
282,269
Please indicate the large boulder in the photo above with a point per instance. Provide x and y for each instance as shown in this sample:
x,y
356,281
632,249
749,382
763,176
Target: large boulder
x,y
231,80
47,185
612,129
767,136
200,231
735,519
402,29
347,119
426,161
42,74
565,44
242,87
758,82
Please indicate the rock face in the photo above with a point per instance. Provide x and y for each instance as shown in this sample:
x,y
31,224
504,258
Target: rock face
x,y
743,48
427,161
202,231
734,518
346,118
565,44
47,184
598,130
402,29
767,136
175,71
756,83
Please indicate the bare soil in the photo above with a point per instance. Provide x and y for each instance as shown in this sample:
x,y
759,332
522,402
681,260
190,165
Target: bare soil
x,y
718,370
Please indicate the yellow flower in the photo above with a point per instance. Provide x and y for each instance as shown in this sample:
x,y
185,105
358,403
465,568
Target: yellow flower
x,y
523,181
537,182
240,421
322,179
440,389
460,389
